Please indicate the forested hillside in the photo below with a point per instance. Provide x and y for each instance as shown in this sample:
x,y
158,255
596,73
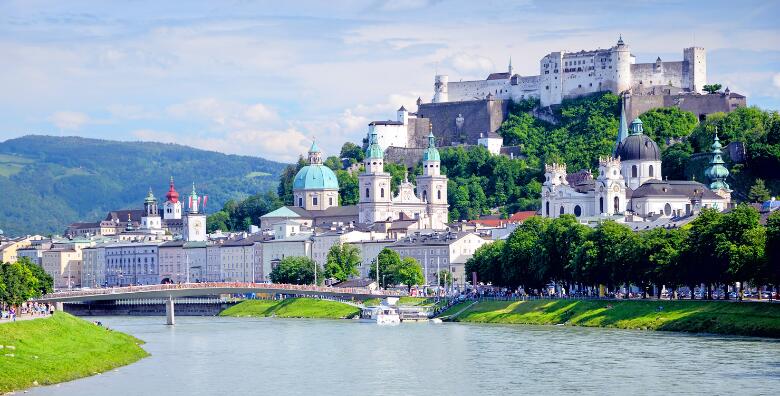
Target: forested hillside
x,y
48,182
586,128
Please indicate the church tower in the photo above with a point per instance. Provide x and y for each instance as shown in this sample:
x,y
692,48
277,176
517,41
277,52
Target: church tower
x,y
151,220
610,188
554,177
172,205
432,186
194,221
718,173
374,186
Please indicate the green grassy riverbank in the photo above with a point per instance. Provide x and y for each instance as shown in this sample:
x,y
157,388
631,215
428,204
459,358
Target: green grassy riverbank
x,y
293,308
748,319
60,348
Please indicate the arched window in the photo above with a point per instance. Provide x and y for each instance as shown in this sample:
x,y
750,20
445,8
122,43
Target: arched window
x,y
633,171
577,211
651,171
547,209
382,192
617,205
438,194
425,195
562,211
667,209
367,195
601,204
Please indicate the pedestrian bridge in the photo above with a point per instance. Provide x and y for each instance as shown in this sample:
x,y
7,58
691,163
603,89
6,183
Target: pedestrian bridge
x,y
169,292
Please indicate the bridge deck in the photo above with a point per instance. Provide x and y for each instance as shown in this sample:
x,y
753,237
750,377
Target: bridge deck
x,y
208,289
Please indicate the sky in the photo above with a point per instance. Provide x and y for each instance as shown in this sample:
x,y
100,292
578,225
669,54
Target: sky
x,y
264,78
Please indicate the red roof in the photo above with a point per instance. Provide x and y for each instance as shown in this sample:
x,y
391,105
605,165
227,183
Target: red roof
x,y
491,221
172,195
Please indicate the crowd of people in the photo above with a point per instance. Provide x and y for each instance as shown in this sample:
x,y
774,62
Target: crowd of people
x,y
28,310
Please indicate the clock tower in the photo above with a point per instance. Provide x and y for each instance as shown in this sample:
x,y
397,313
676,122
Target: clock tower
x,y
194,220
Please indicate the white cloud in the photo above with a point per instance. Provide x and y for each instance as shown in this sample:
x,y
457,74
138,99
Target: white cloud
x,y
70,120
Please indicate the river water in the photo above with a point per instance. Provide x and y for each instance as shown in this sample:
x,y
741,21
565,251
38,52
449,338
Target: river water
x,y
239,356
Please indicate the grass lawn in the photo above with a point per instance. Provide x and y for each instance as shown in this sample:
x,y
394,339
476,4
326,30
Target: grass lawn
x,y
60,348
293,308
750,319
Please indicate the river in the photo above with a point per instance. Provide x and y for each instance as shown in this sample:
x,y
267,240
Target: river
x,y
239,356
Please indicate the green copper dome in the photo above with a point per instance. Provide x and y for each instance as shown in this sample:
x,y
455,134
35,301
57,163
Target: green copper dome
x,y
374,151
150,197
315,177
717,172
431,153
636,127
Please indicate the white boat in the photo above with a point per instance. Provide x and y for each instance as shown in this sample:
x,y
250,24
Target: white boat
x,y
381,315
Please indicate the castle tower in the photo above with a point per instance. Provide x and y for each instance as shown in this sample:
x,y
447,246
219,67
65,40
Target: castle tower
x,y
696,60
194,221
315,186
151,219
717,172
554,177
440,88
403,115
172,205
374,186
621,59
432,186
610,188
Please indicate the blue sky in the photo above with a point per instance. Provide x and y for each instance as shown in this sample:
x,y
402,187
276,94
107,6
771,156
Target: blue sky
x,y
264,78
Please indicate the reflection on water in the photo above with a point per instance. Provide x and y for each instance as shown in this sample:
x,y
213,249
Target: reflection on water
x,y
209,356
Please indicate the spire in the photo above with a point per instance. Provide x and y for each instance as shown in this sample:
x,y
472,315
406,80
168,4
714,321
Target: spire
x,y
150,197
510,66
636,126
374,150
623,128
172,195
431,153
717,171
620,40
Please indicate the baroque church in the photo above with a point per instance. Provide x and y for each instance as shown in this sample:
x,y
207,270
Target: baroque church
x,y
316,203
630,185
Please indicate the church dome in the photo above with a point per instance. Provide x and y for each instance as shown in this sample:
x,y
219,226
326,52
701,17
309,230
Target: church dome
x,y
638,146
313,177
172,195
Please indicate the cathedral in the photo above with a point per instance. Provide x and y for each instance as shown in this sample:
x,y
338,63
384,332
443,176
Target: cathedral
x,y
630,184
316,203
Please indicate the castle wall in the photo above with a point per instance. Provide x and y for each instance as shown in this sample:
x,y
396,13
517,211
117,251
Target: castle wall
x,y
664,73
479,117
476,90
408,156
701,105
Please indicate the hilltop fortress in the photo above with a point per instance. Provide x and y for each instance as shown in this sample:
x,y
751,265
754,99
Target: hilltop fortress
x,y
571,74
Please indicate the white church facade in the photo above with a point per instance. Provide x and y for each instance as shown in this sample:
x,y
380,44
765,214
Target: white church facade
x,y
630,183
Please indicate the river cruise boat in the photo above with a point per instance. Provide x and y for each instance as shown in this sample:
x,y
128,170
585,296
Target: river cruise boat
x,y
381,315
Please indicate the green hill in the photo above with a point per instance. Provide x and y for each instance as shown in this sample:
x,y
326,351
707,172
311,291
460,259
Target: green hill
x,y
48,182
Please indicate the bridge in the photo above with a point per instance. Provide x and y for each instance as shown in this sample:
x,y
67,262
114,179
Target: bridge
x,y
169,292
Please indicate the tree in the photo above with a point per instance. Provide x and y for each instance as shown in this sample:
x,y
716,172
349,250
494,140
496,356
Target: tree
x,y
20,283
44,282
409,273
486,262
296,270
445,278
352,151
712,88
772,249
523,256
388,261
343,262
759,192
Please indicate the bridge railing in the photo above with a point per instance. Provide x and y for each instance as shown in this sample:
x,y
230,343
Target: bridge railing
x,y
281,287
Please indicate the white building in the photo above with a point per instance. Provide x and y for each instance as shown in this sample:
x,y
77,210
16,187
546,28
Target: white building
x,y
239,261
195,220
571,74
392,133
134,263
631,184
182,261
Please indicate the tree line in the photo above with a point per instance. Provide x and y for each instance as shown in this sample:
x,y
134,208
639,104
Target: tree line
x,y
715,250
23,280
343,262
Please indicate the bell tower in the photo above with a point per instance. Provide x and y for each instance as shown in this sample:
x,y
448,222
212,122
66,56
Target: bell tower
x,y
172,205
610,188
151,219
194,221
374,186
432,186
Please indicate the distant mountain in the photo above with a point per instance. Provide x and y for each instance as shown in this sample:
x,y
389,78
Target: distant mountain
x,y
47,182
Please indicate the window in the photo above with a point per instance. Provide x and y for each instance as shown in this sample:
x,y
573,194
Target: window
x,y
577,210
633,171
300,201
382,192
547,209
425,195
367,195
651,171
438,194
562,211
601,204
314,201
617,205
330,201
